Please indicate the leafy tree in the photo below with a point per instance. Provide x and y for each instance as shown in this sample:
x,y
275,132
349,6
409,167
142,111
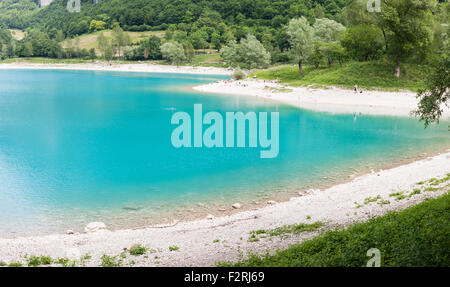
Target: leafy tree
x,y
108,50
409,24
327,30
215,40
97,25
249,52
252,52
229,53
301,40
363,42
436,94
120,37
59,36
102,42
173,52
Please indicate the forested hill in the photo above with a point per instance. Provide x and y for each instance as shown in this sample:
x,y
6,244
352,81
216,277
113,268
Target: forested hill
x,y
15,13
156,14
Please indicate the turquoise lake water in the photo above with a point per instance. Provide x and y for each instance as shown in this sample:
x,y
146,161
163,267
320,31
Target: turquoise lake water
x,y
81,146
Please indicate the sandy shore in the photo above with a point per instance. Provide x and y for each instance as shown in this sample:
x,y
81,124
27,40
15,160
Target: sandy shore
x,y
333,100
207,241
102,66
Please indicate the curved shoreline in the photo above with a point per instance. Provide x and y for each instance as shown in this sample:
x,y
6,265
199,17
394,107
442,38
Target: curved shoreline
x,y
101,66
333,100
196,239
206,241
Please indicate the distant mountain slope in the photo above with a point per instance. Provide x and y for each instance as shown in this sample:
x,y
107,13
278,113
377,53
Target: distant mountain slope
x,y
142,14
15,13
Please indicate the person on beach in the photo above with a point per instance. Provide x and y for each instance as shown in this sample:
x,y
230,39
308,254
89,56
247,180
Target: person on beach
x,y
355,88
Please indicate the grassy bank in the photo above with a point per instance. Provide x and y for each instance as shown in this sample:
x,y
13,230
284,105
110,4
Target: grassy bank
x,y
367,75
416,236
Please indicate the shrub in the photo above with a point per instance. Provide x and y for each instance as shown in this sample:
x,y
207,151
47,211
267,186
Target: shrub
x,y
238,75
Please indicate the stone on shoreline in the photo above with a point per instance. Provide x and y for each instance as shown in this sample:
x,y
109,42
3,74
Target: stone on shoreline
x,y
94,226
236,206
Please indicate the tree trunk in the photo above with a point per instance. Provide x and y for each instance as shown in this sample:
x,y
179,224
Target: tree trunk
x,y
397,64
300,67
386,47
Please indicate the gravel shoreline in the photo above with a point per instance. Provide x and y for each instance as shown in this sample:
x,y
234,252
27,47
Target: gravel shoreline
x,y
207,241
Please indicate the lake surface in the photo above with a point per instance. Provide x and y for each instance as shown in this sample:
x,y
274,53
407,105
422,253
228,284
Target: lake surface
x,y
82,146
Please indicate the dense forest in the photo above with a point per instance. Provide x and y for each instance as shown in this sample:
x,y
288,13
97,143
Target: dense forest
x,y
248,33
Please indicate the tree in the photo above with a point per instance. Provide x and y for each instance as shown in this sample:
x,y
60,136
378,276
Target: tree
x,y
363,42
102,43
409,24
436,94
301,40
109,51
327,30
59,36
252,52
96,25
173,52
120,37
229,53
326,34
154,48
249,51
215,40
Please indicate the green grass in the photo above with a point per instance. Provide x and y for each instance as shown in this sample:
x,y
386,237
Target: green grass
x,y
35,261
416,236
111,261
367,75
295,228
138,250
174,248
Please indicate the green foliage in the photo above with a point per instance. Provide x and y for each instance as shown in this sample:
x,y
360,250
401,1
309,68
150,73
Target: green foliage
x,y
367,75
408,24
149,49
120,38
97,25
249,52
111,261
417,236
436,94
138,250
363,42
327,30
301,40
174,248
173,52
288,229
238,75
35,261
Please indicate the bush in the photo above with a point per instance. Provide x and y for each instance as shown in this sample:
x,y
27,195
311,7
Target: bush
x,y
238,75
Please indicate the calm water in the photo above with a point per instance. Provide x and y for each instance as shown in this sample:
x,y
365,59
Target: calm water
x,y
79,146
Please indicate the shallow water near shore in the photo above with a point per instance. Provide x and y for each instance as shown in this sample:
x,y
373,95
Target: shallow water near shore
x,y
82,146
